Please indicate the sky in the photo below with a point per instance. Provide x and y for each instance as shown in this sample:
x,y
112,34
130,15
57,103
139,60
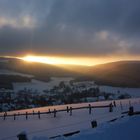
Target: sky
x,y
104,30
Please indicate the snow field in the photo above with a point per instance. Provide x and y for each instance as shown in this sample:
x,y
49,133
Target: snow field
x,y
48,126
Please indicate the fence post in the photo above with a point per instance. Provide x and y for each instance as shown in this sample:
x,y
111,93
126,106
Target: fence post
x,y
39,114
70,111
26,115
54,113
110,107
114,103
131,110
22,136
33,112
14,116
49,110
94,123
4,116
5,113
67,109
89,108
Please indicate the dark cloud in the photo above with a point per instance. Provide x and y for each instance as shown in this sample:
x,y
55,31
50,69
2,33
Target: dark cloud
x,y
70,27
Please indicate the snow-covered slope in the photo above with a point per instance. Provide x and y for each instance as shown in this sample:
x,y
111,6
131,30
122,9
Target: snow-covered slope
x,y
123,129
40,85
9,72
134,92
48,126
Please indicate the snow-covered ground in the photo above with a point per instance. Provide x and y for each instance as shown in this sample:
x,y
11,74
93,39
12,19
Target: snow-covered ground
x,y
48,126
134,92
9,72
55,81
123,129
40,86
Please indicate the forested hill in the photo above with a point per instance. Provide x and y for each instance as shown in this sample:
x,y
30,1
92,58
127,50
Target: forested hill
x,y
122,73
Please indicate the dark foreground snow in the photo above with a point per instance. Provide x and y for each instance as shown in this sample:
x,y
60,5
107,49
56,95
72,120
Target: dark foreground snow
x,y
123,129
126,128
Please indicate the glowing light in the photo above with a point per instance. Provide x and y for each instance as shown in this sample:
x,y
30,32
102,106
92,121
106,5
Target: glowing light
x,y
85,61
48,60
60,60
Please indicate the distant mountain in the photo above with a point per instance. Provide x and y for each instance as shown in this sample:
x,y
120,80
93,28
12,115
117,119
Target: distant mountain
x,y
39,70
122,73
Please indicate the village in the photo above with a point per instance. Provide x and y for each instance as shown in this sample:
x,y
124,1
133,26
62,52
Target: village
x,y
63,93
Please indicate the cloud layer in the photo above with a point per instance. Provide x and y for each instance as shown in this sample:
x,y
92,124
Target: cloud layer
x,y
70,27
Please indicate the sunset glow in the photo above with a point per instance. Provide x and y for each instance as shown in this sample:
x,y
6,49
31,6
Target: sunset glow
x,y
59,60
85,61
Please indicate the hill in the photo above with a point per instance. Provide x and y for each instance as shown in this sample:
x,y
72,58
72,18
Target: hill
x,y
120,74
39,69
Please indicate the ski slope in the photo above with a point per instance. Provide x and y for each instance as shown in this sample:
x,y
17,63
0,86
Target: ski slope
x,y
48,126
